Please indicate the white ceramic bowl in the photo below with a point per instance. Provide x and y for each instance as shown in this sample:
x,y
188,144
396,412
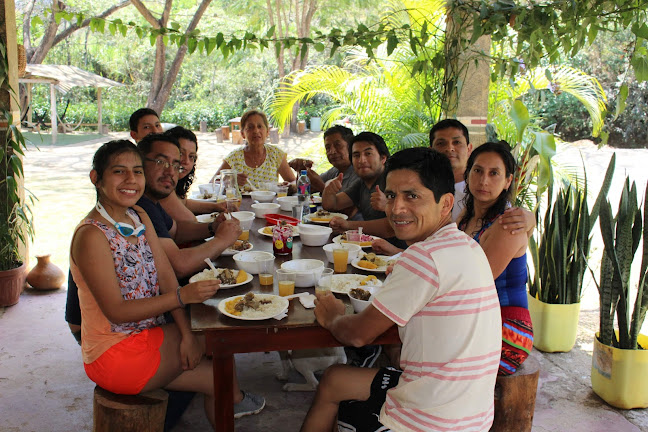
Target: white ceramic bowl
x,y
308,271
354,250
263,196
314,235
287,202
245,218
262,209
208,188
360,305
247,260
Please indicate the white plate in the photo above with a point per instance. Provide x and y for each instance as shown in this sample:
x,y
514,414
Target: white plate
x,y
206,218
352,281
281,300
225,286
197,197
230,252
338,239
332,215
381,269
260,231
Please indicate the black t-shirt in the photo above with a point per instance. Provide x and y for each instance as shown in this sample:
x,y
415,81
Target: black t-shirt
x,y
361,197
162,222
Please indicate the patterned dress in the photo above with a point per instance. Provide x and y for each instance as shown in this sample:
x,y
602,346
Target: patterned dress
x,y
137,277
267,172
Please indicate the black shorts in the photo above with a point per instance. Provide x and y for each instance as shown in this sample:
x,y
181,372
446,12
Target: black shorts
x,y
362,416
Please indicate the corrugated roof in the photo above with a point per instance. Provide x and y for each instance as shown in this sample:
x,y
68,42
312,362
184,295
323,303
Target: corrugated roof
x,y
68,77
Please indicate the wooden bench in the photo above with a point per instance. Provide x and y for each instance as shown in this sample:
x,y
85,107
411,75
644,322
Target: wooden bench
x,y
144,412
515,397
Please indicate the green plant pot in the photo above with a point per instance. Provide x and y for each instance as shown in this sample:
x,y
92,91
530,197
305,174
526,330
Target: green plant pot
x,y
554,325
619,376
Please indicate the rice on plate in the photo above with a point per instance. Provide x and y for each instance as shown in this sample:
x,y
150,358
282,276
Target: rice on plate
x,y
343,283
253,306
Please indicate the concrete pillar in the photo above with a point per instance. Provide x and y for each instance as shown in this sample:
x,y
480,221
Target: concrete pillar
x,y
472,109
99,114
466,92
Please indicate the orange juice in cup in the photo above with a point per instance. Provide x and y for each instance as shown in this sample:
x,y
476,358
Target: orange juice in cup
x,y
266,269
286,282
340,258
245,235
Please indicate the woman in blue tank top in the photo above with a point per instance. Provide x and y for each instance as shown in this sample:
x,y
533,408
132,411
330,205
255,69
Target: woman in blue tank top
x,y
489,176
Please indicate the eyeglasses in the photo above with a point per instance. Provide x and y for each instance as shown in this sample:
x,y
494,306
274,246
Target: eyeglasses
x,y
166,165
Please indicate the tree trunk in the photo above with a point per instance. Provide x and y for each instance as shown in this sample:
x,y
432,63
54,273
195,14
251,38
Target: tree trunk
x,y
163,80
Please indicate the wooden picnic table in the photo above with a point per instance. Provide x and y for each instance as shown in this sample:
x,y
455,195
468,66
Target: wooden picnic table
x,y
226,336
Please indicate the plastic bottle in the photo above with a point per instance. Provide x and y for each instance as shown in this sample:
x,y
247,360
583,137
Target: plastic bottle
x,y
303,188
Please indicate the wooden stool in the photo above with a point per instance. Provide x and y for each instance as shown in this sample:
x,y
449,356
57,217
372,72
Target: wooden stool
x,y
226,131
515,397
144,412
236,137
274,135
219,135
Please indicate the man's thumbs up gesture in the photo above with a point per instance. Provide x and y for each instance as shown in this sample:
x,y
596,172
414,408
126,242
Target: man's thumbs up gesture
x,y
378,200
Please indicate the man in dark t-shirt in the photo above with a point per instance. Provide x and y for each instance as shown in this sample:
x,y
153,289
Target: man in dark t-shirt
x,y
368,155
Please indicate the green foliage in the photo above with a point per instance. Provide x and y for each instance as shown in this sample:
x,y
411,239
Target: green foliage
x,y
15,215
622,235
560,246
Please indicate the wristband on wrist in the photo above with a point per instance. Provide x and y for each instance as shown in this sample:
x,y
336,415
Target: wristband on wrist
x,y
210,228
182,305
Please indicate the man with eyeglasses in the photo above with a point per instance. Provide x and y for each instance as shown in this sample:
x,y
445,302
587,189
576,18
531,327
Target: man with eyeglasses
x,y
161,154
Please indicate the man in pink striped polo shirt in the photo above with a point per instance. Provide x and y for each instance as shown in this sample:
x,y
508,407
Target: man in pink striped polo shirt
x,y
442,296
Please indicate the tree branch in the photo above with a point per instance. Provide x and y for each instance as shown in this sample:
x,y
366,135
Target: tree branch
x,y
68,31
27,28
148,16
48,37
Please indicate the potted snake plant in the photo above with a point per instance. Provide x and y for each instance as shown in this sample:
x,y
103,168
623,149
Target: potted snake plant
x,y
559,251
15,215
620,358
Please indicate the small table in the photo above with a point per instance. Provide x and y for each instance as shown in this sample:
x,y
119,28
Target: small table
x,y
226,336
235,123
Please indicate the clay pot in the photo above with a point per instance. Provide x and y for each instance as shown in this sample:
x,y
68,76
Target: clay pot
x,y
45,275
11,285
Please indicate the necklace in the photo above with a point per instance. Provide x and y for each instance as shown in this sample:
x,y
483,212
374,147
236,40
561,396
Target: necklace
x,y
254,161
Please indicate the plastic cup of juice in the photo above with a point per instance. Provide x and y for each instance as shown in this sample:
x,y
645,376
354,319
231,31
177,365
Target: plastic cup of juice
x,y
282,191
324,283
340,258
286,282
266,270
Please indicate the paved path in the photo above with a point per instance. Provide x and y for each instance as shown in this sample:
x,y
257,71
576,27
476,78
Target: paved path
x,y
43,386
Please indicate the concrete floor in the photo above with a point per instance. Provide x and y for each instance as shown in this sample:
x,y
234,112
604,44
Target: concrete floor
x,y
43,386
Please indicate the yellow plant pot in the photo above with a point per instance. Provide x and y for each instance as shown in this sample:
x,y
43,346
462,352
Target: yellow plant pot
x,y
619,376
554,325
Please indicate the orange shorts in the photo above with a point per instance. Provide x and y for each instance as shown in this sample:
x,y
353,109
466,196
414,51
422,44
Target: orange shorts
x,y
126,367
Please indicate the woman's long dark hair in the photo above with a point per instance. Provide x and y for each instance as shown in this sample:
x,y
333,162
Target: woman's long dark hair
x,y
503,149
183,185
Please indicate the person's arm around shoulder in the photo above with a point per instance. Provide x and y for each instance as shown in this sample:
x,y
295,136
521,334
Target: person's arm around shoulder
x,y
501,247
333,198
517,220
357,329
